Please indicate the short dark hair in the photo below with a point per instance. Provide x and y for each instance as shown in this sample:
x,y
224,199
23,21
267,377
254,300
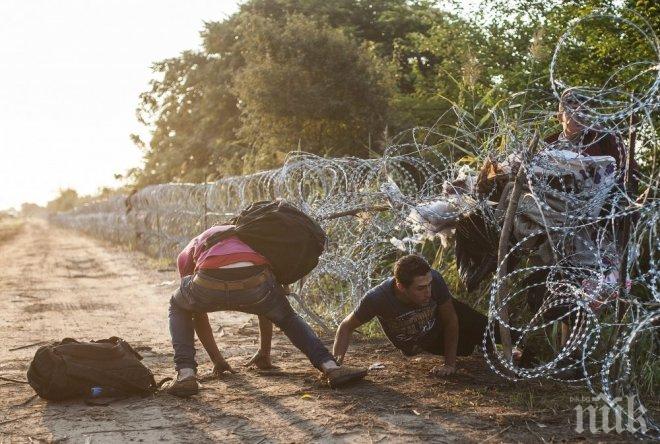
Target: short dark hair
x,y
570,100
409,267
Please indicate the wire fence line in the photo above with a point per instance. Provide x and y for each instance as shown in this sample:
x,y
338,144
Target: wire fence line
x,y
340,193
583,252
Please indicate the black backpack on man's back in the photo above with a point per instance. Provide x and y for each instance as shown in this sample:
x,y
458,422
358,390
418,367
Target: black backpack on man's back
x,y
290,240
70,369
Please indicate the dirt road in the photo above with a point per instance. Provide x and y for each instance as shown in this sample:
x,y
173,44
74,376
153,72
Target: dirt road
x,y
57,284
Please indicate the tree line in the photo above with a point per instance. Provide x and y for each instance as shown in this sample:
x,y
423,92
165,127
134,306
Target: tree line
x,y
340,77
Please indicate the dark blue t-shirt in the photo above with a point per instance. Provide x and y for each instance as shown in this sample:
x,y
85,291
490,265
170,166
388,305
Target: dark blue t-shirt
x,y
406,326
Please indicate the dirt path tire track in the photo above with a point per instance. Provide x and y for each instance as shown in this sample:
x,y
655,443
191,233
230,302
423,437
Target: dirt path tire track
x,y
56,283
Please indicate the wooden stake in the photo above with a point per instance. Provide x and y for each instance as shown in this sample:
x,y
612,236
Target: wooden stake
x,y
625,223
505,235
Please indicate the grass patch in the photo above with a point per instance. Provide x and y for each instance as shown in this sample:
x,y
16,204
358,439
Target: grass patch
x,y
162,264
9,227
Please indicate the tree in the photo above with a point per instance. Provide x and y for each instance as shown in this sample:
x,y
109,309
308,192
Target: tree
x,y
329,76
384,24
192,108
446,70
309,85
192,113
66,201
29,209
523,34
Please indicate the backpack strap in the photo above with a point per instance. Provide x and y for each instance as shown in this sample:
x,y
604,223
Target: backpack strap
x,y
160,383
119,342
217,237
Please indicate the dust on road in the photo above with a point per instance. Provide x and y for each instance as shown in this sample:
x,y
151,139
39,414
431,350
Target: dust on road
x,y
56,283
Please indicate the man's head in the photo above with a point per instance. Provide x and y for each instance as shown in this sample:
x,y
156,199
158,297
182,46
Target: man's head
x,y
412,275
567,114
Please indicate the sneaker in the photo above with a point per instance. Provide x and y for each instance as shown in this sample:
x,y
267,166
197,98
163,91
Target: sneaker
x,y
344,375
185,384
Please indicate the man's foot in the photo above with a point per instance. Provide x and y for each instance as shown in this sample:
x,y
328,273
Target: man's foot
x,y
185,384
344,375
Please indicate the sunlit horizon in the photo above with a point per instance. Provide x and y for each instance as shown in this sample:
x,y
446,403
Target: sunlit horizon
x,y
70,76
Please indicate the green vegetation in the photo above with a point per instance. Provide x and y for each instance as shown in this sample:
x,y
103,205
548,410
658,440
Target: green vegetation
x,y
339,78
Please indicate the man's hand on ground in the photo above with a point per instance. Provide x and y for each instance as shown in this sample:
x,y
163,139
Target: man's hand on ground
x,y
260,360
222,366
443,370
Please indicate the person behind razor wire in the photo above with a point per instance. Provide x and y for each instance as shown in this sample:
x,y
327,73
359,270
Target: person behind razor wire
x,y
587,140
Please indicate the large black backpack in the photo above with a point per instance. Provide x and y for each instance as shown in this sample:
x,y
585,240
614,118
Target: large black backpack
x,y
290,240
69,369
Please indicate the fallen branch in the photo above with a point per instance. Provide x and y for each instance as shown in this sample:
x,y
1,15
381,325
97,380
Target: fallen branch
x,y
497,434
28,346
26,402
130,430
19,418
13,380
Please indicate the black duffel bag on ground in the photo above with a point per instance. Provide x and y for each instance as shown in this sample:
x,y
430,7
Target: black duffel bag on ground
x,y
70,369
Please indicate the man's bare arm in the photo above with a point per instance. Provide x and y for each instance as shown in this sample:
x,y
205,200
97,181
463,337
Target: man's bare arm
x,y
261,358
449,322
205,335
343,336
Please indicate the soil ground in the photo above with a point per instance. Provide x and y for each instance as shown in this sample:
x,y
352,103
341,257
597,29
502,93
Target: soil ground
x,y
56,283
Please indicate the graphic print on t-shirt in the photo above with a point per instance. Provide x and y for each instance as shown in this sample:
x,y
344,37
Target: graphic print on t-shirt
x,y
412,325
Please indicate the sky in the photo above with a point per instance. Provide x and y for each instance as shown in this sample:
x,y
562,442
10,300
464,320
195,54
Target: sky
x,y
71,72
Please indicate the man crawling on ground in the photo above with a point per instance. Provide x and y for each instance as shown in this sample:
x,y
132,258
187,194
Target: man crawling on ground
x,y
418,315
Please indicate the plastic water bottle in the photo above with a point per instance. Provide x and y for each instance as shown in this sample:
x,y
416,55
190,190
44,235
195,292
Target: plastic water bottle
x,y
98,392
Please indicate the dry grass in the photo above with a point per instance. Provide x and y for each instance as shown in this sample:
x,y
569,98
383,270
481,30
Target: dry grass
x,y
10,227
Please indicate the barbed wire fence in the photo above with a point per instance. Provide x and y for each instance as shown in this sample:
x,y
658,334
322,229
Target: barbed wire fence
x,y
580,261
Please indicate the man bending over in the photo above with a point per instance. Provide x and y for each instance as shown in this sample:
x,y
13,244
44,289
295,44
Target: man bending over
x,y
232,276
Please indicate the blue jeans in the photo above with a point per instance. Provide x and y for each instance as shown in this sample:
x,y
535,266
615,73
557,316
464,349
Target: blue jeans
x,y
267,299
